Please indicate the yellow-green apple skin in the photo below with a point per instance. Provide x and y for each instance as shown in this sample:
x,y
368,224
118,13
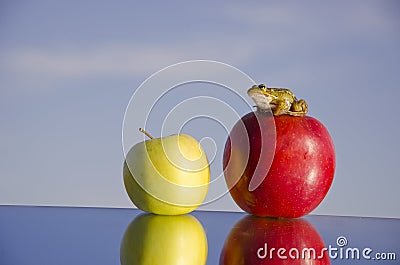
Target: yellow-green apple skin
x,y
167,176
161,240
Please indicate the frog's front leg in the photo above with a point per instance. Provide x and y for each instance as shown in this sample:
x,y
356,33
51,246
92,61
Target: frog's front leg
x,y
281,107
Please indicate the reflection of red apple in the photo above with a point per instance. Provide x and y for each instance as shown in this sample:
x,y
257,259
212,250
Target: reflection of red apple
x,y
302,169
257,240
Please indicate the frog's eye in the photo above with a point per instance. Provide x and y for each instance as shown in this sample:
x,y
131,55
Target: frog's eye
x,y
262,86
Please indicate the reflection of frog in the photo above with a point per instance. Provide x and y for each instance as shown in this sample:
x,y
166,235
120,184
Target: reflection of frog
x,y
280,100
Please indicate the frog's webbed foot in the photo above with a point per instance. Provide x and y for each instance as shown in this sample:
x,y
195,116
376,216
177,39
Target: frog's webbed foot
x,y
297,113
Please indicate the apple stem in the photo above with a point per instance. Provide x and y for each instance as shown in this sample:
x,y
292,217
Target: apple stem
x,y
146,133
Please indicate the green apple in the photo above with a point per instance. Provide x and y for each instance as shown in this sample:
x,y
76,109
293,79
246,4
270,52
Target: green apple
x,y
156,239
167,176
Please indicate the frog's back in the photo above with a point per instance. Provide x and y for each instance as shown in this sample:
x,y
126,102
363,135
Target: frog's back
x,y
284,93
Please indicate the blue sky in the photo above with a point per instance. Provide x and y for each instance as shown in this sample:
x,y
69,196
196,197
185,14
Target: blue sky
x,y
68,70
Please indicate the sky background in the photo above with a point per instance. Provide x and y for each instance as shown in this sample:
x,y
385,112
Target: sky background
x,y
69,68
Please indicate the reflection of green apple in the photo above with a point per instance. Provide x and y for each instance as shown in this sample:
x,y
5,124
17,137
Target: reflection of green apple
x,y
157,239
167,175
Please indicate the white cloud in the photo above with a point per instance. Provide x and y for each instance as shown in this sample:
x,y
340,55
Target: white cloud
x,y
120,60
258,32
317,18
108,60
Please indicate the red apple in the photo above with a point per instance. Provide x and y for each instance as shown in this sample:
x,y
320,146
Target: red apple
x,y
255,240
292,164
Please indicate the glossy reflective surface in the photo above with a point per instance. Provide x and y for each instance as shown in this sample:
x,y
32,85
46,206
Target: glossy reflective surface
x,y
60,235
255,240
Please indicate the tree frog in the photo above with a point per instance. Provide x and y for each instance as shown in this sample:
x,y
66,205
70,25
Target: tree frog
x,y
280,100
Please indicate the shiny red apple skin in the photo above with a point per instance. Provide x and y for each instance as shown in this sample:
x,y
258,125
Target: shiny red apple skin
x,y
242,246
302,168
